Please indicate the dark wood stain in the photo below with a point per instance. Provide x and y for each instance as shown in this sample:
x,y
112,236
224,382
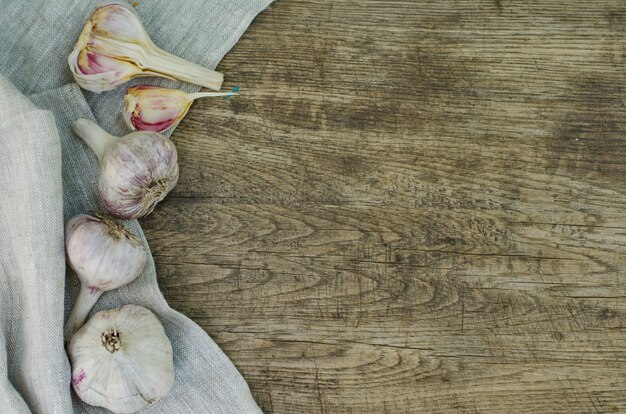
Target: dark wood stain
x,y
413,206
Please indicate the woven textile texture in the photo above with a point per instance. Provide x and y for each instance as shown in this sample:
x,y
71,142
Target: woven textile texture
x,y
49,175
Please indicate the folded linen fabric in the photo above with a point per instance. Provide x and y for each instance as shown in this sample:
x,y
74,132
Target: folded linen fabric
x,y
48,176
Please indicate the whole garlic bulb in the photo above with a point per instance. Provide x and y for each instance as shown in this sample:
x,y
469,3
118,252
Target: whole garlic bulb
x,y
114,48
105,256
153,108
121,360
137,171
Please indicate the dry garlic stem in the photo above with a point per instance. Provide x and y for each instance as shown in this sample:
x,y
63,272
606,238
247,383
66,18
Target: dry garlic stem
x,y
153,108
137,171
121,360
105,256
114,48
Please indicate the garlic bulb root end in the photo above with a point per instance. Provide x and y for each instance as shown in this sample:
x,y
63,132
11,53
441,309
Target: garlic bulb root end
x,y
112,340
117,230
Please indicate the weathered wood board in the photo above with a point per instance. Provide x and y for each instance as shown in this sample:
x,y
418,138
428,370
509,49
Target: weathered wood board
x,y
414,206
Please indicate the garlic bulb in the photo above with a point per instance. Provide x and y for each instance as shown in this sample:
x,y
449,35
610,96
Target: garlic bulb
x,y
137,171
121,360
114,48
152,108
105,256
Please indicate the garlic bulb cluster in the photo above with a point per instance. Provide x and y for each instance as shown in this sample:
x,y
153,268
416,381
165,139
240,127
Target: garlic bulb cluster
x,y
105,256
114,48
121,360
137,171
153,108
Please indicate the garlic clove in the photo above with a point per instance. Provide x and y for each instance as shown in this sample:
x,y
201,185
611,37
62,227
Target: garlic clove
x,y
137,171
114,48
121,360
153,108
98,73
105,256
117,21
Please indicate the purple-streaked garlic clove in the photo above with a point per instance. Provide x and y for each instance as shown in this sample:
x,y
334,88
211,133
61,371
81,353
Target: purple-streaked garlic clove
x,y
105,256
137,171
114,48
154,108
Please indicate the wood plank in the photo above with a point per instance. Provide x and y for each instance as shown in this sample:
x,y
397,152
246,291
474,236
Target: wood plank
x,y
412,207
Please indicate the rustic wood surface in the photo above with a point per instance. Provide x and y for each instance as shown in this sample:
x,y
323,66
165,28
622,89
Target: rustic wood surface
x,y
414,206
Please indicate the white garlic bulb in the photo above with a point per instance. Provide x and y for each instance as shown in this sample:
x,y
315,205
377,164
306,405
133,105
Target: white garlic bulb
x,y
137,171
121,360
114,48
105,256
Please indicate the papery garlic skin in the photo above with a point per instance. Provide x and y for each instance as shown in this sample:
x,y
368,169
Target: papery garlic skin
x,y
137,171
114,48
154,108
121,360
105,256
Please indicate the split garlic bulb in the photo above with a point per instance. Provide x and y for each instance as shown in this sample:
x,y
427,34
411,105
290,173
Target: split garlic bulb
x,y
114,48
153,108
137,171
121,360
105,256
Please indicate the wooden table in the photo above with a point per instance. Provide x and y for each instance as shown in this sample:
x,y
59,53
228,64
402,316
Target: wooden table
x,y
414,206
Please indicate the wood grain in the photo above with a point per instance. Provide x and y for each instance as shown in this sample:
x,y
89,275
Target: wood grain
x,y
413,207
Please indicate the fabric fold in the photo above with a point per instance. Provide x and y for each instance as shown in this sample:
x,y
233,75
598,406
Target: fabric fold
x,y
32,262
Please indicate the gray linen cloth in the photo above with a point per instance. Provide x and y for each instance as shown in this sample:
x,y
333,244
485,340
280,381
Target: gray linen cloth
x,y
47,175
